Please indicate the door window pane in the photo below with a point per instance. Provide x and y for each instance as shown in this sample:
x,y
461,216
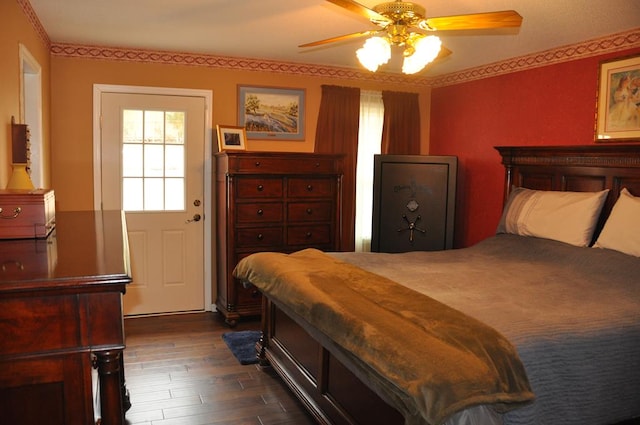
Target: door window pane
x,y
174,161
132,160
153,195
153,126
132,126
174,190
174,128
153,160
132,194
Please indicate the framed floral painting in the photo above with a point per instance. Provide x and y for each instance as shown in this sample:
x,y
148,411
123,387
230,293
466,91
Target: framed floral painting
x,y
618,106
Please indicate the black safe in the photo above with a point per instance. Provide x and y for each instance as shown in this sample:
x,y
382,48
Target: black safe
x,y
414,199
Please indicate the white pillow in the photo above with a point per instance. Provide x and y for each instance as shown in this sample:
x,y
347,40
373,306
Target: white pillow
x,y
569,217
621,232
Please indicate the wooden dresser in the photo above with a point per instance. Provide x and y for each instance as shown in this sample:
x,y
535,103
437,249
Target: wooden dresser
x,y
61,317
271,202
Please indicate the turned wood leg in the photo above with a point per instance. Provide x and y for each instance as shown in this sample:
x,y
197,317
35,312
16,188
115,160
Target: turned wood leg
x,y
126,400
110,370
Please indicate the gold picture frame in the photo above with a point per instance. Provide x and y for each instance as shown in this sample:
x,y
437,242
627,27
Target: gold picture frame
x,y
618,105
231,138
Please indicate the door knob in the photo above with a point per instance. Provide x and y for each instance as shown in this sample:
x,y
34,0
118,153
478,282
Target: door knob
x,y
196,217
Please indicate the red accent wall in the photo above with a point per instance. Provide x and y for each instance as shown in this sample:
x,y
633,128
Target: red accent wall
x,y
552,105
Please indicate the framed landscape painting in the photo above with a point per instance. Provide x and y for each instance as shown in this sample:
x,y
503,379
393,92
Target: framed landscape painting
x,y
618,114
271,113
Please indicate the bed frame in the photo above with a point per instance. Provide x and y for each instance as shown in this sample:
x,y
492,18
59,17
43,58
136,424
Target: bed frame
x,y
322,379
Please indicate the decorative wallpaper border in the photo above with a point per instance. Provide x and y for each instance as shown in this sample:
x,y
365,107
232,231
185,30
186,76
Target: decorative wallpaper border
x,y
211,61
598,46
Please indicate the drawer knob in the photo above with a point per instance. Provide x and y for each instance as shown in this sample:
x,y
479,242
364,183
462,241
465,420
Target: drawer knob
x,y
309,211
260,188
308,235
260,211
309,187
257,163
260,236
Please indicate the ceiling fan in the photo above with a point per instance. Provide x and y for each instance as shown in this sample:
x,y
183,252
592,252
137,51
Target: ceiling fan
x,y
405,24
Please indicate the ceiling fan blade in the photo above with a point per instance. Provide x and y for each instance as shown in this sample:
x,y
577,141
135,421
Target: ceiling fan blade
x,y
361,10
502,19
339,38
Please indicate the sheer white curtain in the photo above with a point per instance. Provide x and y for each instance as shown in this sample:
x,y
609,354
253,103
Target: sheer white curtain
x,y
369,142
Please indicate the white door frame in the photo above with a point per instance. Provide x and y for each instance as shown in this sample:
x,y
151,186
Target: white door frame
x,y
98,89
31,112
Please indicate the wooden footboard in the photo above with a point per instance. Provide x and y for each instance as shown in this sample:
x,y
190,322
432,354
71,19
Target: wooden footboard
x,y
331,393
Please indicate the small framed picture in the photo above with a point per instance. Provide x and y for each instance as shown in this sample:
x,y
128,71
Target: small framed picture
x,y
618,114
231,138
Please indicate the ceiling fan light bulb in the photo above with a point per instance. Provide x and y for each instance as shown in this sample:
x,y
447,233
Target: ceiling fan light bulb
x,y
426,50
376,51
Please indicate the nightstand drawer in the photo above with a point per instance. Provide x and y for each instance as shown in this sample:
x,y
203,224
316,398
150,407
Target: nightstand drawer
x,y
259,237
309,211
248,187
312,235
260,212
310,188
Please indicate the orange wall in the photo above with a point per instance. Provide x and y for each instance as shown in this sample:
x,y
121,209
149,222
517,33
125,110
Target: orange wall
x,y
15,29
551,105
72,91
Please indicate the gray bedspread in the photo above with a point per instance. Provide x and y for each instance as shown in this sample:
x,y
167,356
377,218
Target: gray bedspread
x,y
572,313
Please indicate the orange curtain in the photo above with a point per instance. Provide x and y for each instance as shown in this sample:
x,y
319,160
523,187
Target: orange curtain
x,y
337,133
401,127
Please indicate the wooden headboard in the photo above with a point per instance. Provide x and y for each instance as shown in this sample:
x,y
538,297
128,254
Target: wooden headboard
x,y
588,168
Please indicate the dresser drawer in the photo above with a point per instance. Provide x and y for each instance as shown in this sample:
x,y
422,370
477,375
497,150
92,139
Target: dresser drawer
x,y
293,164
311,235
250,187
248,296
310,187
259,237
259,212
309,211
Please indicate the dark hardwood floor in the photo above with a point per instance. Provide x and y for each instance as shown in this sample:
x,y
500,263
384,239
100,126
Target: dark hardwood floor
x,y
179,371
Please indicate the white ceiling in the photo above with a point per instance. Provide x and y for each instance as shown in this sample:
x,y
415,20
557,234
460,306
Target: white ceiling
x,y
272,29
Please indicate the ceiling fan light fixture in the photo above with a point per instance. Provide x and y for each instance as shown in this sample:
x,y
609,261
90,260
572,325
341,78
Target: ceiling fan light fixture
x,y
376,51
426,49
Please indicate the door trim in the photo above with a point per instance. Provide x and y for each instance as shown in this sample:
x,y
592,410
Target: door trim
x,y
98,90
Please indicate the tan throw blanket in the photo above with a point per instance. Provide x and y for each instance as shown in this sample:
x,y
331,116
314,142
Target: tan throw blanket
x,y
434,359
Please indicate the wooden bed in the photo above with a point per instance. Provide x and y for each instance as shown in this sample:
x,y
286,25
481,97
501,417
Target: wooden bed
x,y
324,380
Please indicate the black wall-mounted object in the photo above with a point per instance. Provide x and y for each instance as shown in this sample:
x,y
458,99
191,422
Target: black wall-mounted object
x,y
414,199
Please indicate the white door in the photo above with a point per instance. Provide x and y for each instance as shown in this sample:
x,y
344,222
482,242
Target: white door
x,y
152,160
